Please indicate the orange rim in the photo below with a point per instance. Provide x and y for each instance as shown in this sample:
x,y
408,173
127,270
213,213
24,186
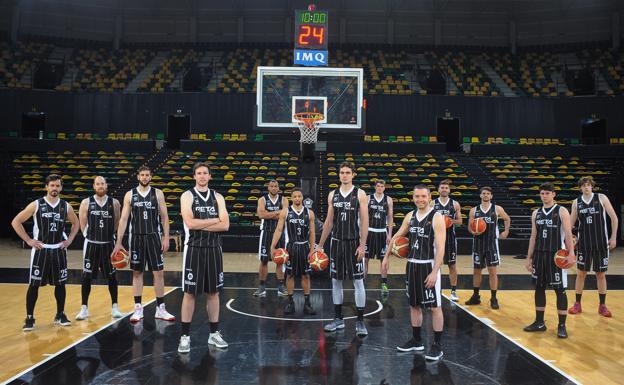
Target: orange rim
x,y
308,118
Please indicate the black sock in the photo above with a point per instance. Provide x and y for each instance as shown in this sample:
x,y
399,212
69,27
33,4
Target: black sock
x,y
214,327
578,297
290,298
262,282
437,337
307,299
475,291
159,301
113,289
85,290
186,328
360,314
603,298
60,293
338,311
416,333
493,294
539,316
137,299
562,319
384,280
453,288
31,298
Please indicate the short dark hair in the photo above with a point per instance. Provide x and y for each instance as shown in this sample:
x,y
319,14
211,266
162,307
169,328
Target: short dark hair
x,y
347,164
273,181
586,179
547,186
144,168
446,182
201,164
422,187
296,189
485,188
53,178
380,181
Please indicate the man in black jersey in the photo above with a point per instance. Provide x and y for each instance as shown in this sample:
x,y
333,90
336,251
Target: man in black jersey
x,y
427,236
299,225
269,209
589,216
347,222
450,208
148,238
380,224
550,232
99,219
485,246
48,260
205,218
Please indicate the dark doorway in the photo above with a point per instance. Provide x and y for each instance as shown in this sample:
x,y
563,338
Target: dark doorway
x,y
594,131
448,132
178,127
33,125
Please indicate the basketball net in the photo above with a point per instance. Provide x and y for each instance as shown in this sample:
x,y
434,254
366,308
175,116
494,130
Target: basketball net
x,y
308,123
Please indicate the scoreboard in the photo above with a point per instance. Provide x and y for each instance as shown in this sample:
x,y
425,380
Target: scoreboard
x,y
311,37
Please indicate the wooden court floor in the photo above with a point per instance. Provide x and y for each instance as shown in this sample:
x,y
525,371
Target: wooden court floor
x,y
592,354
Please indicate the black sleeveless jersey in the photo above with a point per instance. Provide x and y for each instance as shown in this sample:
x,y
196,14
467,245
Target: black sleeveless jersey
x,y
592,225
49,222
144,214
446,210
203,208
377,212
270,224
421,237
486,242
549,235
100,221
297,225
346,215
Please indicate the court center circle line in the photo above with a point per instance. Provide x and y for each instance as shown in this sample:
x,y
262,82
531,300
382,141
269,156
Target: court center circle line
x,y
229,306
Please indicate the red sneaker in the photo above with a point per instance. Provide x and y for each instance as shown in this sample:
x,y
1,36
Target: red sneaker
x,y
576,308
603,311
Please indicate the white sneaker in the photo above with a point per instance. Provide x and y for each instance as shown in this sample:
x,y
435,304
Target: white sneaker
x,y
454,296
217,340
163,314
83,313
185,344
115,313
138,313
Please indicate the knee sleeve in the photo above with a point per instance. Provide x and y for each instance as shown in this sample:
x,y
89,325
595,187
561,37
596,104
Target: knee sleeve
x,y
562,299
337,291
540,297
360,293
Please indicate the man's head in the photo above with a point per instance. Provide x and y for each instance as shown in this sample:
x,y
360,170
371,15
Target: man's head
x,y
485,193
346,172
201,174
380,186
99,186
444,188
144,176
421,196
273,187
586,184
296,196
54,185
547,193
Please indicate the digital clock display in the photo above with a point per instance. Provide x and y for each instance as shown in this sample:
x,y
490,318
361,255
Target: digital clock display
x,y
311,30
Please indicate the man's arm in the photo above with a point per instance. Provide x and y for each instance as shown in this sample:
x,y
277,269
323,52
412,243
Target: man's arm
x,y
277,234
567,231
312,226
186,209
506,219
329,221
528,264
401,232
458,220
439,231
18,225
75,226
117,210
164,219
614,220
223,224
471,217
83,216
390,220
362,198
262,212
123,222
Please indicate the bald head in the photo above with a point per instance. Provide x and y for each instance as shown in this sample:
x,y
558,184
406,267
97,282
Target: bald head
x,y
99,186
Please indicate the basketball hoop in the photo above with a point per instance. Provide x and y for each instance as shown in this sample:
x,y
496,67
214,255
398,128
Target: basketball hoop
x,y
308,123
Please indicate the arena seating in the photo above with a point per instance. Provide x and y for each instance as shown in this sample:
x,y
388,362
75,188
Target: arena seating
x,y
162,77
16,60
609,64
469,78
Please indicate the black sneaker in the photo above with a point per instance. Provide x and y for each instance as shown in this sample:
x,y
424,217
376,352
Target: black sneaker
x,y
474,300
29,324
535,327
494,304
411,346
289,308
61,319
434,353
562,332
308,309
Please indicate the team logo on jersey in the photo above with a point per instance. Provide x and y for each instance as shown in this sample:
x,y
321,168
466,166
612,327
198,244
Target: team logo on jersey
x,y
36,272
189,276
308,203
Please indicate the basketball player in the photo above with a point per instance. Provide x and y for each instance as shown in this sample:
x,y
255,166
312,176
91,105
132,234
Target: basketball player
x,y
450,208
380,224
485,246
48,258
588,214
205,218
347,222
269,209
427,236
298,223
550,228
99,219
148,238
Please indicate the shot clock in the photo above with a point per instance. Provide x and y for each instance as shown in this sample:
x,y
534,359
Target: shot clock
x,y
311,37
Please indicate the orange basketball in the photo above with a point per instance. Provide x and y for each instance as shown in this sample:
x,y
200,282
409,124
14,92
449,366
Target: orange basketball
x,y
560,258
478,226
120,259
280,256
318,261
448,221
400,247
